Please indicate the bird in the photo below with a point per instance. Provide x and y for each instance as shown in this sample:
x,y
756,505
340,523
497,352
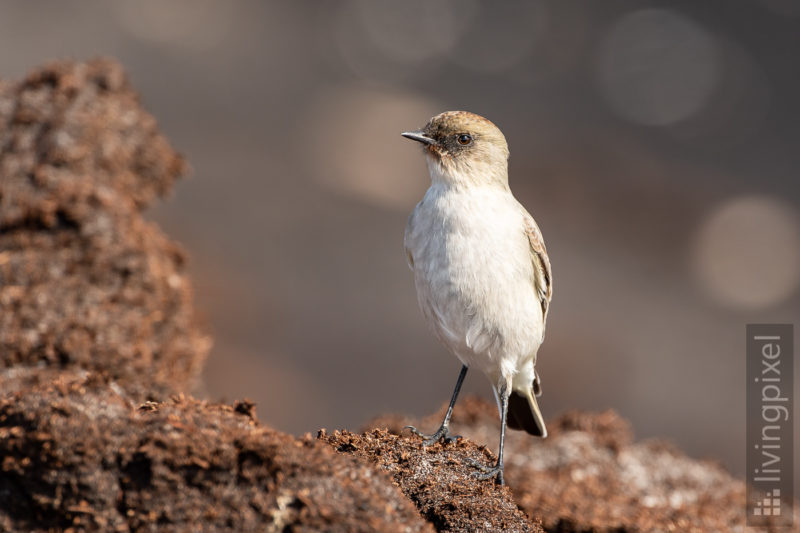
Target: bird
x,y
481,271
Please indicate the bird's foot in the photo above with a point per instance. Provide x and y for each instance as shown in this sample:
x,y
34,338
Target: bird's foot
x,y
489,472
442,434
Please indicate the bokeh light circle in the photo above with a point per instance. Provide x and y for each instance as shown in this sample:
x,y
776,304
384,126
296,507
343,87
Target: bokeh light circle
x,y
657,67
746,253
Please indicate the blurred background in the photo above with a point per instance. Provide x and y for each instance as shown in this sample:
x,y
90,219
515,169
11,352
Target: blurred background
x,y
656,143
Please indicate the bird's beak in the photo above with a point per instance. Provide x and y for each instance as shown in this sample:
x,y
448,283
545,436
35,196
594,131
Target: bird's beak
x,y
418,136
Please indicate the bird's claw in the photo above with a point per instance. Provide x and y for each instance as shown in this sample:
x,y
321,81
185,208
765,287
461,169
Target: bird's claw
x,y
480,466
488,472
442,434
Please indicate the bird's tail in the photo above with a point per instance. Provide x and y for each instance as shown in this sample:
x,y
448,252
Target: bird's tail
x,y
524,413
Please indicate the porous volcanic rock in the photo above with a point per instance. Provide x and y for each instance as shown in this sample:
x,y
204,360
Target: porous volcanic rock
x,y
72,133
85,281
589,474
78,453
439,480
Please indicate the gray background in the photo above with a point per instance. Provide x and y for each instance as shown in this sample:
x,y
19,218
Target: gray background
x,y
656,143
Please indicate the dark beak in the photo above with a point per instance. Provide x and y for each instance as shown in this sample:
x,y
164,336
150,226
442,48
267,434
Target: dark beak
x,y
418,136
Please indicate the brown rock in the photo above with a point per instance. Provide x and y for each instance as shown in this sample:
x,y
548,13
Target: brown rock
x,y
589,475
438,479
78,453
73,138
84,281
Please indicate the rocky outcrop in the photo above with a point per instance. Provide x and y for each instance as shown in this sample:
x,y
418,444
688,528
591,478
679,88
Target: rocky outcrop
x,y
85,281
78,453
590,475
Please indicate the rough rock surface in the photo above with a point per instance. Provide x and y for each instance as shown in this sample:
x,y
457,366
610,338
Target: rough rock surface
x,y
589,474
438,479
76,452
84,281
71,134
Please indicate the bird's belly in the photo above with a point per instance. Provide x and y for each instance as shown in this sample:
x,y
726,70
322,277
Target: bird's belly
x,y
476,290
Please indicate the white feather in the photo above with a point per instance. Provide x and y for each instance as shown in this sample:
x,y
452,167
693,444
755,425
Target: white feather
x,y
474,275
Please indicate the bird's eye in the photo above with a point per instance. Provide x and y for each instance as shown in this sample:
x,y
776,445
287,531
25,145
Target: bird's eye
x,y
464,139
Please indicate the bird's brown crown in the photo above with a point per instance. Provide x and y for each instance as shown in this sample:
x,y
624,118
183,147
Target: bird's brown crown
x,y
461,133
453,122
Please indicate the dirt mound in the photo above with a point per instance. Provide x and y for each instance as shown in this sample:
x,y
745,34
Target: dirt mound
x,y
438,479
84,281
589,475
78,453
72,135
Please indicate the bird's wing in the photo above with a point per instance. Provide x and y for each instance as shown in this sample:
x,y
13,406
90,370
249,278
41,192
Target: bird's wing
x,y
407,237
409,259
543,279
409,255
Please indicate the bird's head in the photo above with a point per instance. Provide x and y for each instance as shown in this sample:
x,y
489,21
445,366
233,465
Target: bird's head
x,y
463,148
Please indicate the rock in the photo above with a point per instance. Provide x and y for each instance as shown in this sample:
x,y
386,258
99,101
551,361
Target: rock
x,y
85,282
78,453
73,138
438,479
589,474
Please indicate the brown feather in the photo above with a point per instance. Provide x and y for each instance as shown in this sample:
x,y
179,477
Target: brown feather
x,y
543,279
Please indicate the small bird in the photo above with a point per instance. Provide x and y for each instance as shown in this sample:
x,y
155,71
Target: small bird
x,y
481,270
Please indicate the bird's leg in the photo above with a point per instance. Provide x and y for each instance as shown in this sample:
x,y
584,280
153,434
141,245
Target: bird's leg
x,y
443,433
497,470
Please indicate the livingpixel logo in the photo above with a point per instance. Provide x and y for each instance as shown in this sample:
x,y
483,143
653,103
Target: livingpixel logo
x,y
770,424
769,505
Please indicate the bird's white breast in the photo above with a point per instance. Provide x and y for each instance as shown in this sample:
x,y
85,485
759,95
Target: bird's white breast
x,y
474,276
